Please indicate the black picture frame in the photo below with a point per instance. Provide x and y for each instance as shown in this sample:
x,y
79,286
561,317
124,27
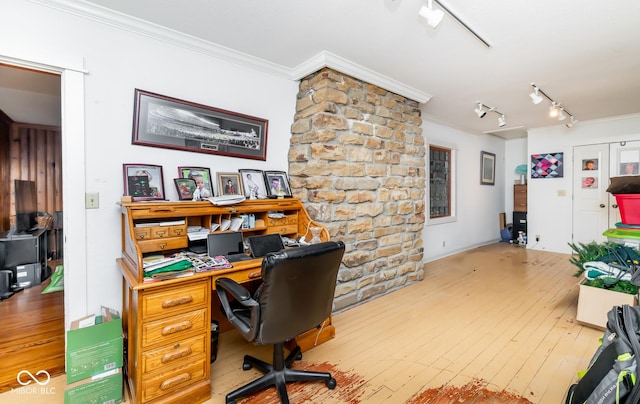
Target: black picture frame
x,y
487,168
253,184
283,181
171,123
143,182
185,188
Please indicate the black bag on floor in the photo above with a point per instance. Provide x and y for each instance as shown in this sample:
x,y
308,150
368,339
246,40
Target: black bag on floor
x,y
612,375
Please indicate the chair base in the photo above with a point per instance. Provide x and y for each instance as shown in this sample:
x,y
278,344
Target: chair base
x,y
278,375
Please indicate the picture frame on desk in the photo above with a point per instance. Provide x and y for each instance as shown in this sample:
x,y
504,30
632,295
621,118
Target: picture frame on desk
x,y
202,177
171,123
254,185
277,184
229,184
185,188
143,182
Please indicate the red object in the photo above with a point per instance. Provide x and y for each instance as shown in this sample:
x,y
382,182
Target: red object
x,y
629,205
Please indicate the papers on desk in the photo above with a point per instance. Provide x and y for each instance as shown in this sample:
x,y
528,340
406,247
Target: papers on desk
x,y
226,199
197,233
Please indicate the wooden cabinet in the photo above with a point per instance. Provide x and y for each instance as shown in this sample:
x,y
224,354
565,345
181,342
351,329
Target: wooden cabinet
x,y
520,198
167,323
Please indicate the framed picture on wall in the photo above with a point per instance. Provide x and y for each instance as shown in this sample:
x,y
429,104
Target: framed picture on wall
x,y
171,123
143,182
487,168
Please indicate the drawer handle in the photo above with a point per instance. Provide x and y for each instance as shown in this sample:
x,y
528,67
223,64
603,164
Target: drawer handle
x,y
140,236
161,233
176,302
176,355
162,209
172,329
253,275
162,245
174,381
178,232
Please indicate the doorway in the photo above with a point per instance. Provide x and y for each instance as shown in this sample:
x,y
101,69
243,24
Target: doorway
x,y
594,209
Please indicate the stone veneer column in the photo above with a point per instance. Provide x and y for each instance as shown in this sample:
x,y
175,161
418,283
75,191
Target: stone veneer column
x,y
357,162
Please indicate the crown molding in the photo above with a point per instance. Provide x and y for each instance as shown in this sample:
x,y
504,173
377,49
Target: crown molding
x,y
323,59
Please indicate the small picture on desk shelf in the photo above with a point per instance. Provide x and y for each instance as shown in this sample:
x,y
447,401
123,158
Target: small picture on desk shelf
x,y
143,182
229,184
278,184
254,186
185,188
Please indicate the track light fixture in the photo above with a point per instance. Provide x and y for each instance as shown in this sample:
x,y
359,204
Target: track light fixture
x,y
481,112
432,15
556,110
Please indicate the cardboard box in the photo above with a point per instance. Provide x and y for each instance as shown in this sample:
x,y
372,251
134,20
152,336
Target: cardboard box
x,y
595,303
100,389
94,345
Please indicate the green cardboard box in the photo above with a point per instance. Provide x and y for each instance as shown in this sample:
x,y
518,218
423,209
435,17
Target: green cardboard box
x,y
105,388
94,345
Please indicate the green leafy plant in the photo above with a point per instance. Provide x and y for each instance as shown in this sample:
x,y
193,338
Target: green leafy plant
x,y
613,284
588,252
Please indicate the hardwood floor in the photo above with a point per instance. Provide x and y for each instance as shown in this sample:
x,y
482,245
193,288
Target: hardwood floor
x,y
32,336
491,325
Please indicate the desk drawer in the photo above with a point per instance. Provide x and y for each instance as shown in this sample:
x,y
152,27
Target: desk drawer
x,y
173,353
163,244
174,300
170,329
283,229
174,379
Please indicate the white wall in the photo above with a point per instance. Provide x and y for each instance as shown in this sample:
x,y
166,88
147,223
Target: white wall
x,y
117,62
515,155
550,214
477,206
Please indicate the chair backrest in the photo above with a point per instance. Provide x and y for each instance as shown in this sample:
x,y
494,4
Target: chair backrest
x,y
298,289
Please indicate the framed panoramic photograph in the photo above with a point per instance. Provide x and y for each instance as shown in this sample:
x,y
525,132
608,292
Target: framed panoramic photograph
x,y
143,182
202,177
254,186
487,168
185,188
229,184
277,183
162,121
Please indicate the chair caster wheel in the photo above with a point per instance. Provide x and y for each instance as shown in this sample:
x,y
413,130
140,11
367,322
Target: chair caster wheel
x,y
331,383
246,366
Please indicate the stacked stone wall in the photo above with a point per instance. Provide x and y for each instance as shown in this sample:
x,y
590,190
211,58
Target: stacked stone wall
x,y
357,162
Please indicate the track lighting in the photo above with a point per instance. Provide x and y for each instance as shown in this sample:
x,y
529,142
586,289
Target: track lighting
x,y
479,110
481,113
535,97
432,15
556,110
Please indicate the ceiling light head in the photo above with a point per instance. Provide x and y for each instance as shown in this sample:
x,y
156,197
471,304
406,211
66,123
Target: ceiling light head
x,y
554,110
501,121
536,98
432,15
561,114
572,122
479,111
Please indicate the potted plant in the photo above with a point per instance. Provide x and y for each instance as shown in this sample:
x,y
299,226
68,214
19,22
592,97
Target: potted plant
x,y
606,283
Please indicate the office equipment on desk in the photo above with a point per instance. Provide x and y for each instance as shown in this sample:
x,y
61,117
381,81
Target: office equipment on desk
x,y
262,244
227,244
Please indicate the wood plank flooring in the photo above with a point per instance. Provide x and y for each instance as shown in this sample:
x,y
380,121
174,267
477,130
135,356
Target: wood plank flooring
x,y
491,325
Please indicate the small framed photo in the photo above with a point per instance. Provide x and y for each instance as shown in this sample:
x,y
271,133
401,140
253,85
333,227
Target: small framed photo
x,y
254,186
143,182
277,183
202,177
229,184
185,188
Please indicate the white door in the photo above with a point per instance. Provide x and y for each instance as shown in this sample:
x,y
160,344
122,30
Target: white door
x,y
590,198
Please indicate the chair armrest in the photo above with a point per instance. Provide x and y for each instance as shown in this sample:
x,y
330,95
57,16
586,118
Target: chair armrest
x,y
236,290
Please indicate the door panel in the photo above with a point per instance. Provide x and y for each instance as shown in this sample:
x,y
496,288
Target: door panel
x,y
590,199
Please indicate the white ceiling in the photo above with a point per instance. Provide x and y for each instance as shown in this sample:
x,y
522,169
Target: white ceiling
x,y
583,53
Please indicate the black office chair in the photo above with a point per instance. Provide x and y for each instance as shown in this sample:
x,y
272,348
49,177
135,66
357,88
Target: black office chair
x,y
296,295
